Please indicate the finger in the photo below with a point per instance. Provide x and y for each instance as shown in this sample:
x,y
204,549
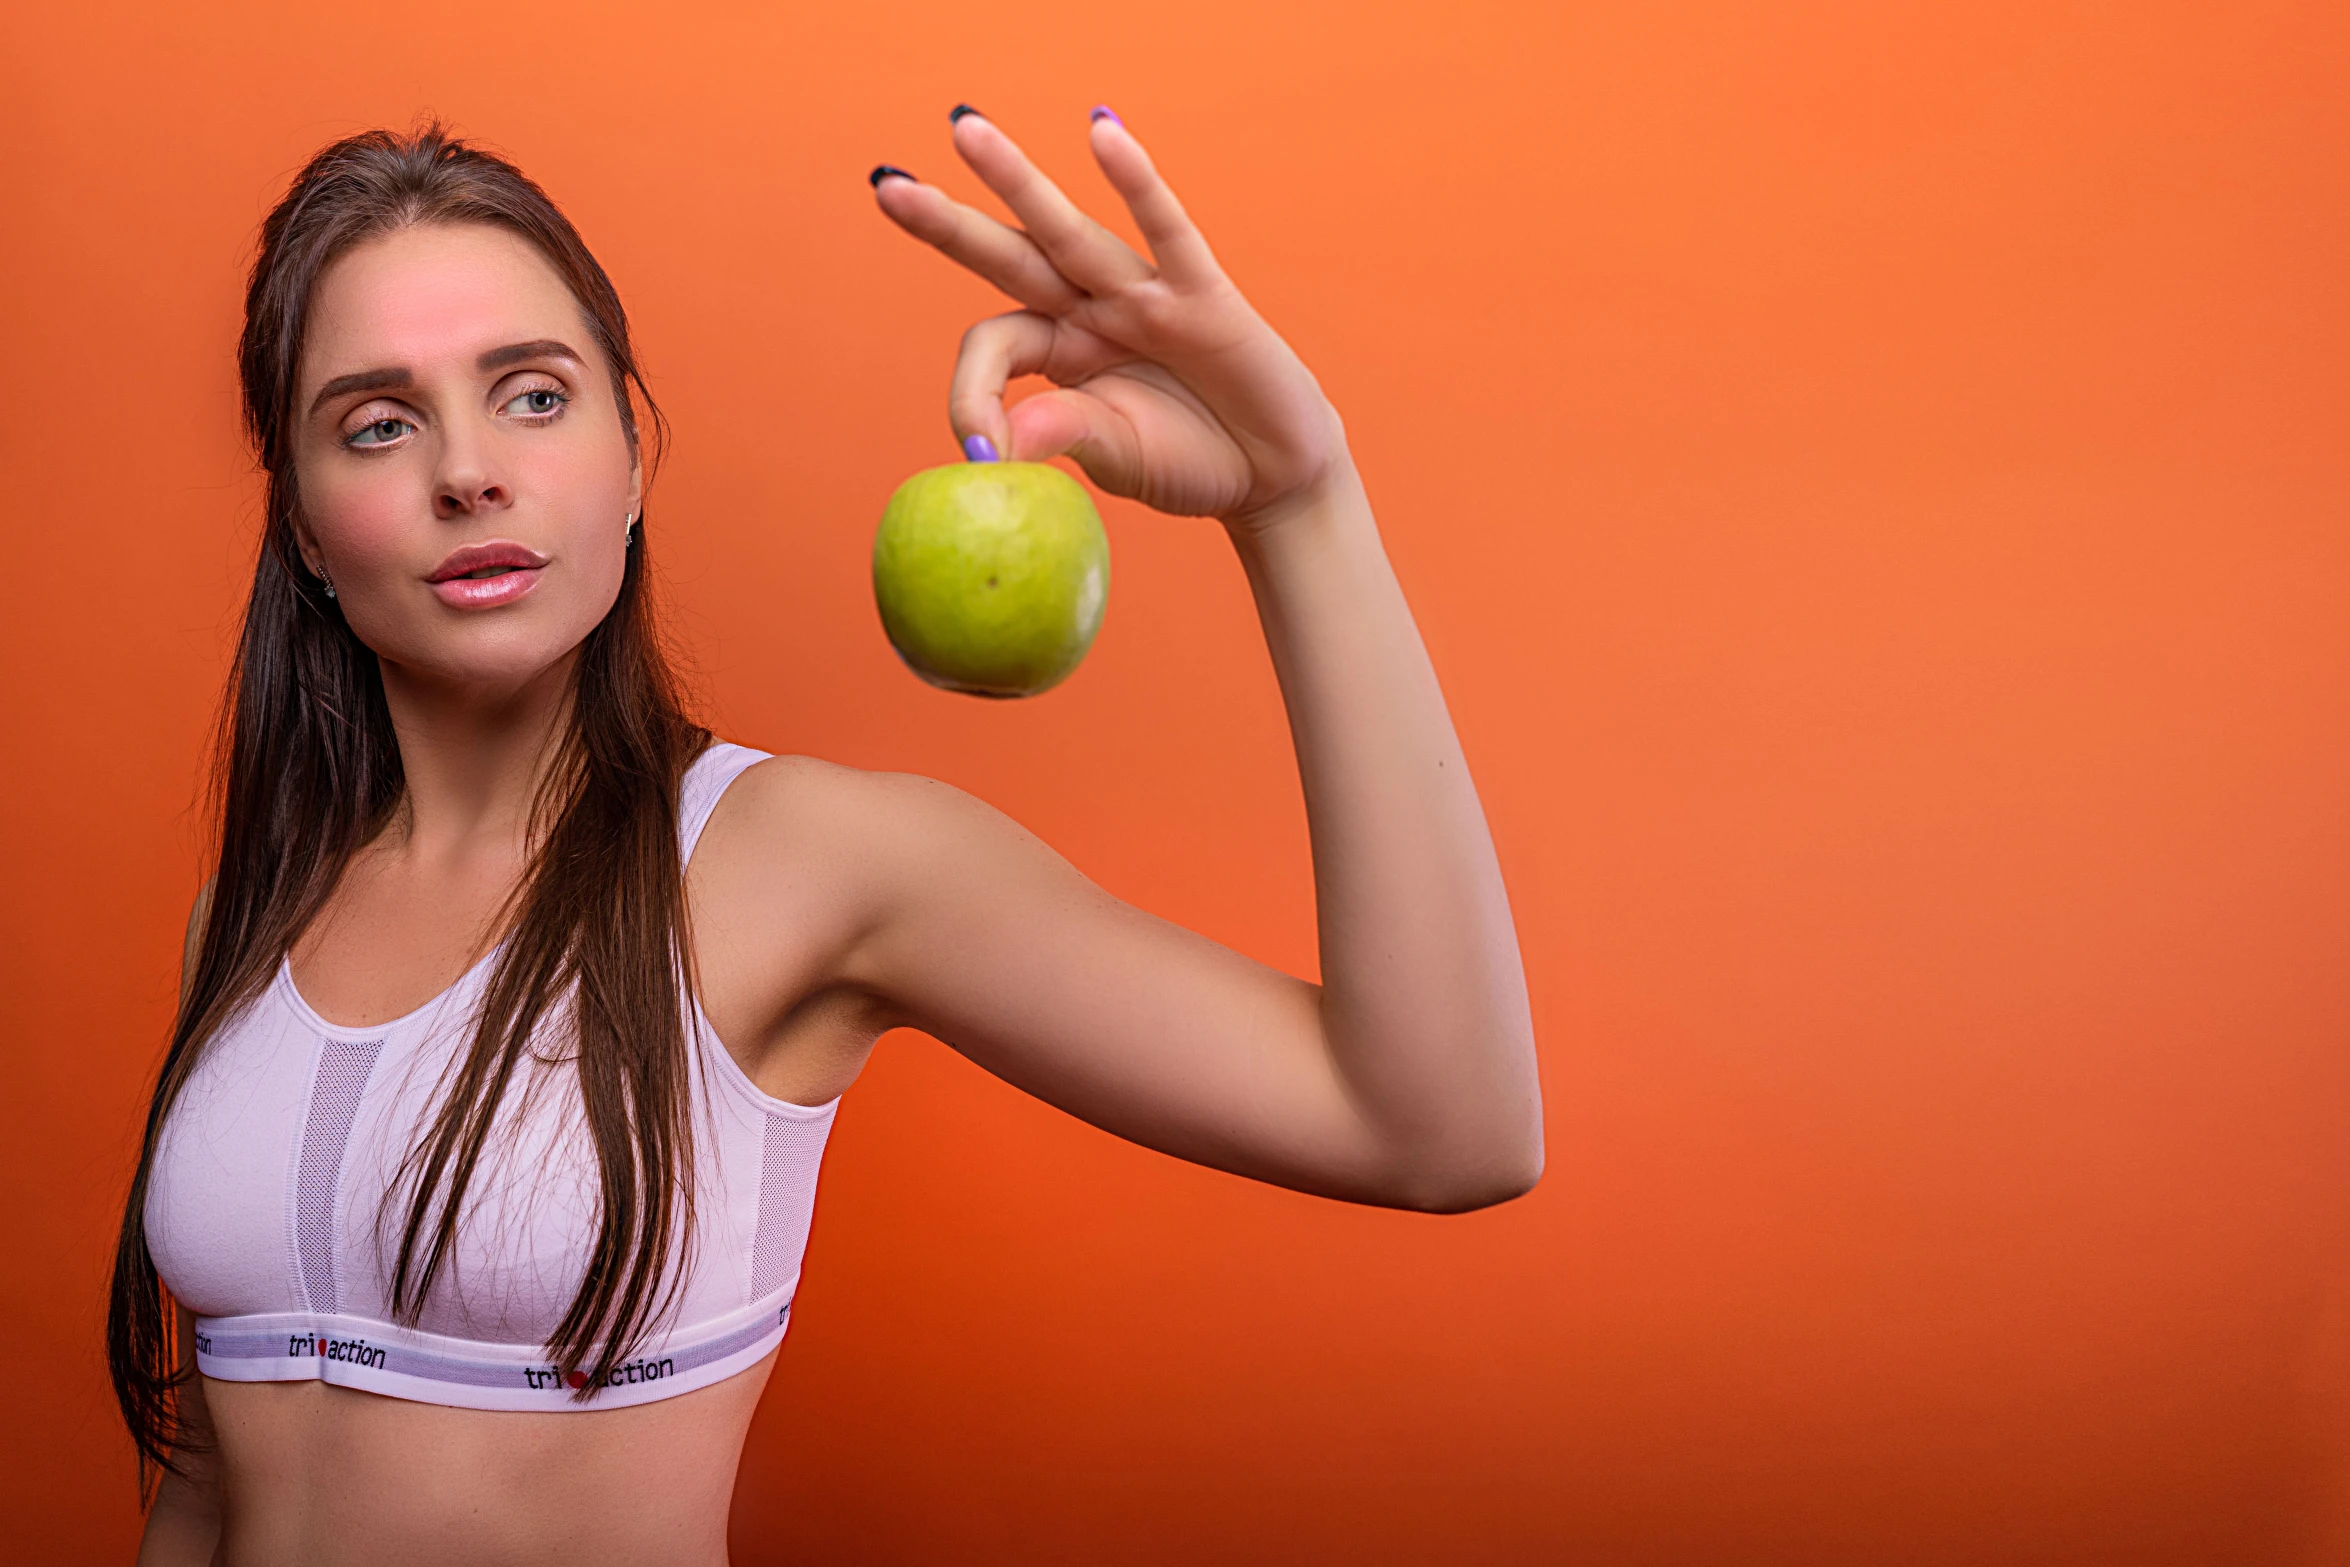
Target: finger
x,y
998,350
1074,423
999,253
1176,244
1080,249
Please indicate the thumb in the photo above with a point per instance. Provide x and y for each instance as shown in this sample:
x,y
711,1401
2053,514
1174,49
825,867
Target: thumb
x,y
1075,424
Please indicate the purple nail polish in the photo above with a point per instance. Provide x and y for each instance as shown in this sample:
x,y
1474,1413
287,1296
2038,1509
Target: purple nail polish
x,y
1102,111
978,448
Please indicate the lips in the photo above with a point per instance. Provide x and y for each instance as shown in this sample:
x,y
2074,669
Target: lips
x,y
483,576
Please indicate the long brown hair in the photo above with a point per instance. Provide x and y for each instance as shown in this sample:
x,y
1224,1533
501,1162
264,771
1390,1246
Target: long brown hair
x,y
307,771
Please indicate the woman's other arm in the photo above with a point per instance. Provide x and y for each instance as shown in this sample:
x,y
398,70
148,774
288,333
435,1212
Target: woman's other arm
x,y
183,1525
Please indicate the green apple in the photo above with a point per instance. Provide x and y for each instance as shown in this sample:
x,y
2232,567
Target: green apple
x,y
991,576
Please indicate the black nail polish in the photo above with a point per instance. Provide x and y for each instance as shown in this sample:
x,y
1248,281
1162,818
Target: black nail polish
x,y
959,110
883,171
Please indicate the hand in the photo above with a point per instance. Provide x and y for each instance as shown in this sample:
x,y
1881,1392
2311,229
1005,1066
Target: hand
x,y
1171,390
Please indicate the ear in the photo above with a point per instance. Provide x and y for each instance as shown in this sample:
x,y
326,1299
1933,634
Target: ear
x,y
306,545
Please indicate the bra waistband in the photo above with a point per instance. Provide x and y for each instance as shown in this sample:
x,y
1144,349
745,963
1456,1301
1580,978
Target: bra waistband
x,y
383,1357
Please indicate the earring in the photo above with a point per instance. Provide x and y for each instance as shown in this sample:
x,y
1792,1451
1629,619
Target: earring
x,y
628,530
329,581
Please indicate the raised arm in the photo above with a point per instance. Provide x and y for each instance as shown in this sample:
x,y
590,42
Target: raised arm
x,y
1407,1077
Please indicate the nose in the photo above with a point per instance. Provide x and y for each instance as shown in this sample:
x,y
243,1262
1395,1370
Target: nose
x,y
468,498
465,486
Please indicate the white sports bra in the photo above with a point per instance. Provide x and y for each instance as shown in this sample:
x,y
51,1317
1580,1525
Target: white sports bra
x,y
266,1214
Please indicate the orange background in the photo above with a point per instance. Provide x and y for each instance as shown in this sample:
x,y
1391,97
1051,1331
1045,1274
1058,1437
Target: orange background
x,y
1874,480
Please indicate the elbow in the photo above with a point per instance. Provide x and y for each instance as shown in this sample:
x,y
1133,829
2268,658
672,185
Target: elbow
x,y
1488,1190
1477,1147
1493,1176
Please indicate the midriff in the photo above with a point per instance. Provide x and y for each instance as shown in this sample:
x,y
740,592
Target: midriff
x,y
314,1475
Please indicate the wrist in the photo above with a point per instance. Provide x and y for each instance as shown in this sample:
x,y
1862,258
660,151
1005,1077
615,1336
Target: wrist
x,y
1331,496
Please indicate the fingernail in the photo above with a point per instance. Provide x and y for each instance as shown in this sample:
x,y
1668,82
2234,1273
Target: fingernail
x,y
887,171
1102,111
959,110
980,449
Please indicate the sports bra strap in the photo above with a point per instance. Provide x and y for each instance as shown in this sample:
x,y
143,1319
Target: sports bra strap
x,y
705,780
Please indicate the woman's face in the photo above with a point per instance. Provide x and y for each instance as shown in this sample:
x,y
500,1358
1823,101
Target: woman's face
x,y
465,480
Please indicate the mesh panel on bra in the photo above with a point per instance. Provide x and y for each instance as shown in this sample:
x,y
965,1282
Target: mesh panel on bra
x,y
787,1174
342,1072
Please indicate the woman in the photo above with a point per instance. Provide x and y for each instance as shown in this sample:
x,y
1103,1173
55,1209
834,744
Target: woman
x,y
477,1178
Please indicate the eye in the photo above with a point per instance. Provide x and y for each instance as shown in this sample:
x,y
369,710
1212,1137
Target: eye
x,y
381,432
538,402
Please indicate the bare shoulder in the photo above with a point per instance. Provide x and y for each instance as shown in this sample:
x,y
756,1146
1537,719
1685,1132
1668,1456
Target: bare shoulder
x,y
808,886
199,916
200,913
803,814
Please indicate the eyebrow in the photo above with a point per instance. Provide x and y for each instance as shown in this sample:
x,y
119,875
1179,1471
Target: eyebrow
x,y
516,353
360,381
399,375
